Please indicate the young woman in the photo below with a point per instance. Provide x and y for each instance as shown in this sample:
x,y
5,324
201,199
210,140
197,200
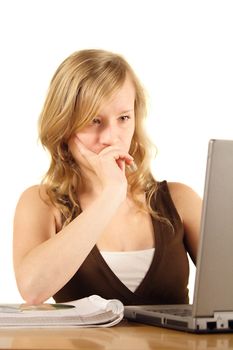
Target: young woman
x,y
100,223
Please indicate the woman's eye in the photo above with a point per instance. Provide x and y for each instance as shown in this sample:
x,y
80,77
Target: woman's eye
x,y
96,121
124,118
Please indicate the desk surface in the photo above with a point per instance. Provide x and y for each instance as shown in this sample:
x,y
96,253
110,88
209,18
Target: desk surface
x,y
125,336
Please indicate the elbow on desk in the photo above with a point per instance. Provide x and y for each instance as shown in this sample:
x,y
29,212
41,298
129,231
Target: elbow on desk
x,y
30,291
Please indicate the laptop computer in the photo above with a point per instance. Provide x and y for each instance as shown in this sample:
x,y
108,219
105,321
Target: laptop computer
x,y
212,308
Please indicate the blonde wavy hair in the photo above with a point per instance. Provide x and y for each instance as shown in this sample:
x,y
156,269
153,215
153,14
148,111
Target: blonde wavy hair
x,y
77,90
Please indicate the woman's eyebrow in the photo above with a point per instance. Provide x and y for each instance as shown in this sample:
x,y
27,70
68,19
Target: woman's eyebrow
x,y
124,112
118,114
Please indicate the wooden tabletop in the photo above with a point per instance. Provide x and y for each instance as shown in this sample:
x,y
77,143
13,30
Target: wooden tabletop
x,y
126,335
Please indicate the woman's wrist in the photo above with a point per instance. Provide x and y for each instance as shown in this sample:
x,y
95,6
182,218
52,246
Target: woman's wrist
x,y
115,194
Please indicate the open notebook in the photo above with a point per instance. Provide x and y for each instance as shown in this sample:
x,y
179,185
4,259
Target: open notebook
x,y
212,309
92,311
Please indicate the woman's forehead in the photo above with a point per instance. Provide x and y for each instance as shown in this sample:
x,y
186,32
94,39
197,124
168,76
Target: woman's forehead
x,y
121,100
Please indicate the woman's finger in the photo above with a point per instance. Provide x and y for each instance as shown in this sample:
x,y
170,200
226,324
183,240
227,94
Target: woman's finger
x,y
113,151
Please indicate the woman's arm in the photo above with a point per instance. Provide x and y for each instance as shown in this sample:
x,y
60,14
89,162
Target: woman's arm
x,y
45,261
188,204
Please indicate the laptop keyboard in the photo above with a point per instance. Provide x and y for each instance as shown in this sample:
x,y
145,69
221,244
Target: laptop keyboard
x,y
177,312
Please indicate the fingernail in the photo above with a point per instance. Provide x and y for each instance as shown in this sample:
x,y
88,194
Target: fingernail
x,y
132,167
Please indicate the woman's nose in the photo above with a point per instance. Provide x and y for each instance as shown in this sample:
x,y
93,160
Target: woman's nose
x,y
108,135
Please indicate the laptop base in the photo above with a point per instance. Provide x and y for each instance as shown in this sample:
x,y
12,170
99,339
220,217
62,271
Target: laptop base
x,y
221,322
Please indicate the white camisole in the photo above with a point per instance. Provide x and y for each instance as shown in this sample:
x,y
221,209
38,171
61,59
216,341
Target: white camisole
x,y
130,266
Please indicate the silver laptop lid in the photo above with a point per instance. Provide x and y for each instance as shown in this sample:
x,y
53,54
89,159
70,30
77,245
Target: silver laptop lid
x,y
214,275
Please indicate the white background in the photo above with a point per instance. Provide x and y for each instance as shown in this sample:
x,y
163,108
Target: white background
x,y
181,50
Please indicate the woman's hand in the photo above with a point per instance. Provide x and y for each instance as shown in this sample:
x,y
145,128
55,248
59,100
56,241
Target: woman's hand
x,y
108,165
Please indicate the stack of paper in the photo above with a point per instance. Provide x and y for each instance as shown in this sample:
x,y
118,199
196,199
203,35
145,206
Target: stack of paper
x,y
92,311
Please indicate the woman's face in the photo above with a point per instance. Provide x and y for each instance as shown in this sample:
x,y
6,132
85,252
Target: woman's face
x,y
114,125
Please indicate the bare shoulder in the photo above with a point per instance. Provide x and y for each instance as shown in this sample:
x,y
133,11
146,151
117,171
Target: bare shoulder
x,y
35,196
178,189
184,197
34,204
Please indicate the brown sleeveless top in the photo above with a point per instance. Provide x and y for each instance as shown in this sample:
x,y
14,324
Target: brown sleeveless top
x,y
166,279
